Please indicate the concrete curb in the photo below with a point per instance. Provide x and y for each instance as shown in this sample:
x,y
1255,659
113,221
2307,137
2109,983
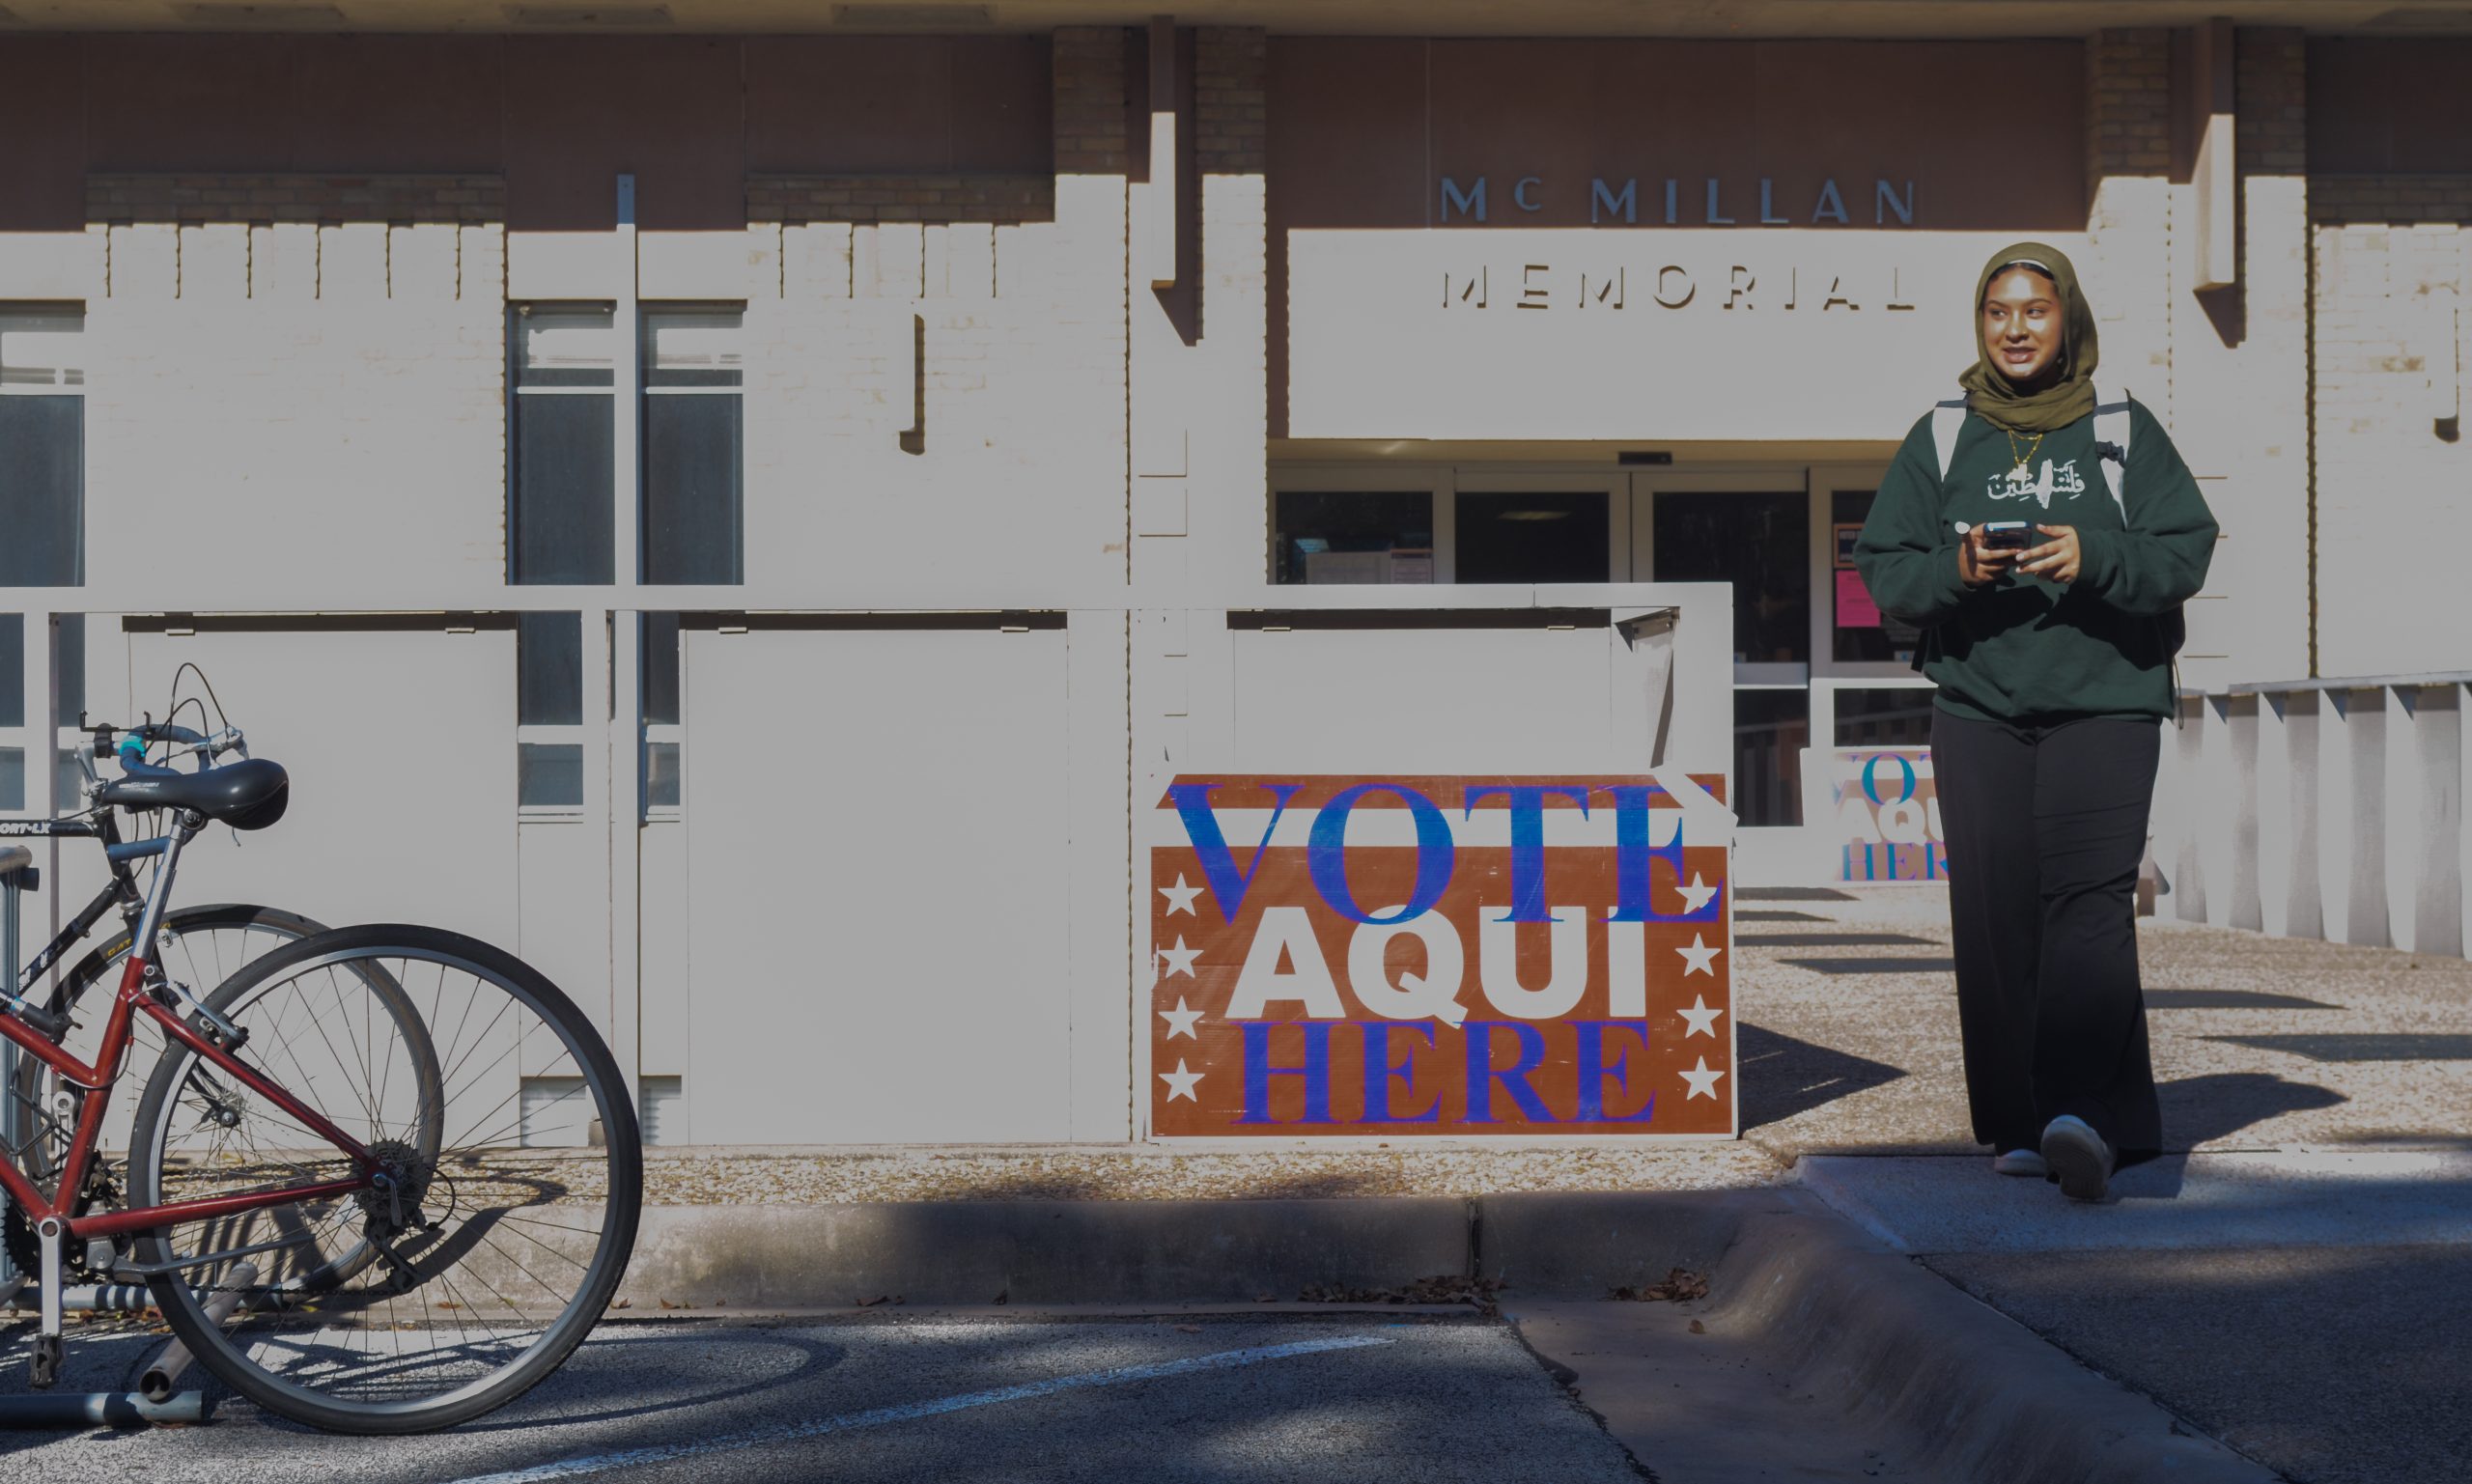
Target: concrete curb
x,y
1039,1251
1836,1331
1972,1393
1119,1252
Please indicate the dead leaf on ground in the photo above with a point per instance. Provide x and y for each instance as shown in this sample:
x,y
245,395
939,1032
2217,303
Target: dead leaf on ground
x,y
622,1303
1696,1327
1188,1328
1680,1286
1442,1288
868,1304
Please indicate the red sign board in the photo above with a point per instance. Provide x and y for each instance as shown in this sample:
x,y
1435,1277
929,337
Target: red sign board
x,y
1398,957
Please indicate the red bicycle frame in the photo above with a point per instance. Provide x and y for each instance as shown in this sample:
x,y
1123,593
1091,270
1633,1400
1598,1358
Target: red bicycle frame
x,y
98,1080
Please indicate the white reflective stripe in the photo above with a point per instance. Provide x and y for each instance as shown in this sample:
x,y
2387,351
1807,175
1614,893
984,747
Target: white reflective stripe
x,y
1947,419
2111,426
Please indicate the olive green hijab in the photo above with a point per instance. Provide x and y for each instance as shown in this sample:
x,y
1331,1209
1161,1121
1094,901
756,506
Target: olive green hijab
x,y
2071,396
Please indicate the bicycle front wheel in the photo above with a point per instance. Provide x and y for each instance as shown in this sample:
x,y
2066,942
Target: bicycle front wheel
x,y
512,1167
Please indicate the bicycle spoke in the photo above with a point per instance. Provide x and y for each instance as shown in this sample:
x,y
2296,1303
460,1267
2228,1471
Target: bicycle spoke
x,y
490,1260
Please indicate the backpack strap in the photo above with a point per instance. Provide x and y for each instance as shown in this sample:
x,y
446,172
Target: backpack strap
x,y
2111,442
1947,418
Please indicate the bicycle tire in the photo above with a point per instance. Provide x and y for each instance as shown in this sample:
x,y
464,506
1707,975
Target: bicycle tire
x,y
38,1155
363,1356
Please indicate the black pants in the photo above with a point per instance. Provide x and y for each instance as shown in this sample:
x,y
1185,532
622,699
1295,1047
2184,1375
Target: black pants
x,y
2045,826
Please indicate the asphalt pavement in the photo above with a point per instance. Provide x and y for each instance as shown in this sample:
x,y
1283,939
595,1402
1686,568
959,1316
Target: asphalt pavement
x,y
1189,1400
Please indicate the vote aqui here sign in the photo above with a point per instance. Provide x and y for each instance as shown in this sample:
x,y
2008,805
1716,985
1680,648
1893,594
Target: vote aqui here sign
x,y
1416,955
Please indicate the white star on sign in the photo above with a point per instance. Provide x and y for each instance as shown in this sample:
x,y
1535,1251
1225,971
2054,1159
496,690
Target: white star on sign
x,y
1696,959
1180,897
1702,1019
1694,896
1703,1080
1180,1082
1180,1020
1180,960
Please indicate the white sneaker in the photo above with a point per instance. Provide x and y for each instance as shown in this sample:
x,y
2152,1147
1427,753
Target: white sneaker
x,y
2019,1162
2079,1157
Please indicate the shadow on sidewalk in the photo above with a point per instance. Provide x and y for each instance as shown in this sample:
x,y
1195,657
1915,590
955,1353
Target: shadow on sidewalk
x,y
1782,1076
2201,1110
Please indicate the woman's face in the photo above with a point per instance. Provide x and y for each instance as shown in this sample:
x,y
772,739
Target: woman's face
x,y
2021,325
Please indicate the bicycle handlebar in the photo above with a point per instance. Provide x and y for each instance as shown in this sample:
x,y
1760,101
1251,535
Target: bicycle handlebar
x,y
132,743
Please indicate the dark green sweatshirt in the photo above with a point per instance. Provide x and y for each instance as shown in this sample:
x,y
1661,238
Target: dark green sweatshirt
x,y
2026,648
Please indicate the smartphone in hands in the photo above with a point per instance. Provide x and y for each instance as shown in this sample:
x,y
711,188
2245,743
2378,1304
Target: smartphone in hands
x,y
2007,534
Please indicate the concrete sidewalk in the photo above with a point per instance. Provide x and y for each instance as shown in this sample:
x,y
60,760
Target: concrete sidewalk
x,y
2282,1281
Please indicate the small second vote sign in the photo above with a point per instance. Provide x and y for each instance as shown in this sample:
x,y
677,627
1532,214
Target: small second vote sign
x,y
1395,957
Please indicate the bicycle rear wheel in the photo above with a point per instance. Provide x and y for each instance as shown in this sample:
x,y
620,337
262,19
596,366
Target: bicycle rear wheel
x,y
199,946
520,1178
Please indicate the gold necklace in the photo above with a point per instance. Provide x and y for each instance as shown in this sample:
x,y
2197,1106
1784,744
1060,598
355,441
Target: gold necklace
x,y
2025,459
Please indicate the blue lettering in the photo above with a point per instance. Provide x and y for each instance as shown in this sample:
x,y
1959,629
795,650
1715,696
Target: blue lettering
x,y
1597,1073
1635,861
1482,1073
1228,888
1380,1071
1326,856
1527,844
1258,1072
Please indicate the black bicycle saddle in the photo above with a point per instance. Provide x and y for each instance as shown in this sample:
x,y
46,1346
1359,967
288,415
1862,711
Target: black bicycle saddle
x,y
247,795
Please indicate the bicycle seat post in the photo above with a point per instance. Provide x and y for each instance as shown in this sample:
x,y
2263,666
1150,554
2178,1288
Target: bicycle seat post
x,y
184,827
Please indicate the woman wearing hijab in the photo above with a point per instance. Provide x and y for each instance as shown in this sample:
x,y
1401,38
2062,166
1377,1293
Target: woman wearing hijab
x,y
2055,675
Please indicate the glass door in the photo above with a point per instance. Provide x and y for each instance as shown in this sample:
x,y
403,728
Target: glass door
x,y
1752,529
1865,691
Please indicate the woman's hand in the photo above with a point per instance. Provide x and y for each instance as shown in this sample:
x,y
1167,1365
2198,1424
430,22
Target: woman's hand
x,y
1978,564
2058,559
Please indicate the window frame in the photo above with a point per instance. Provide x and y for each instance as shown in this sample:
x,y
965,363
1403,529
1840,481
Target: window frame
x,y
69,381
517,311
649,312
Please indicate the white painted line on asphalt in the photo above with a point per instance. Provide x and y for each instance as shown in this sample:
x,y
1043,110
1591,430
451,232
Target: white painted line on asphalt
x,y
1122,1375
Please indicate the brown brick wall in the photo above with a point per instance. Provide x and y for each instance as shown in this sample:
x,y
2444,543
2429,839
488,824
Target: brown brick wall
x,y
2128,103
1091,122
1008,199
2271,77
1230,107
2391,200
202,199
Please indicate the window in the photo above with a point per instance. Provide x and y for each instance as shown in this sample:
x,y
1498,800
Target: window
x,y
1534,537
1760,544
13,711
548,711
1353,536
562,461
1772,726
1859,629
662,734
695,413
15,735
42,447
1883,717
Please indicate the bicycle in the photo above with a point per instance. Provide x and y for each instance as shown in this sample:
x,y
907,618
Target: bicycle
x,y
196,944
378,1220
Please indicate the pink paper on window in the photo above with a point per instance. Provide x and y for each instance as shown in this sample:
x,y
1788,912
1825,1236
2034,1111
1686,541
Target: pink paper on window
x,y
1855,608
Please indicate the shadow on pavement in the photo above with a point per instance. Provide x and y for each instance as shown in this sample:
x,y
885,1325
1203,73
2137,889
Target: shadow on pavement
x,y
2200,1110
567,1396
2331,1364
1782,1076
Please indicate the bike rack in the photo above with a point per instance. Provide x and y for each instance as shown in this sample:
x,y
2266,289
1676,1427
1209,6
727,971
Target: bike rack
x,y
158,1404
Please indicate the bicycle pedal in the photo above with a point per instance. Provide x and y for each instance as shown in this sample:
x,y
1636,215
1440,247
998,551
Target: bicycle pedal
x,y
45,1368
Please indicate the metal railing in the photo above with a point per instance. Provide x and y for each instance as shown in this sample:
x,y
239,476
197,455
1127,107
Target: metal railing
x,y
2321,808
